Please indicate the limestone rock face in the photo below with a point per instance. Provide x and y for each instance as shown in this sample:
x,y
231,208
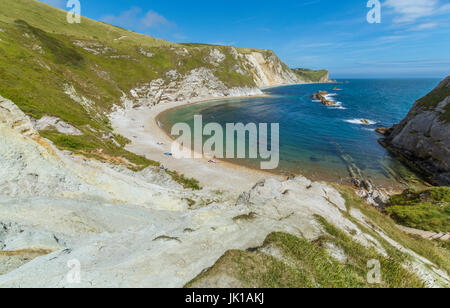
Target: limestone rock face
x,y
127,229
423,137
265,68
48,122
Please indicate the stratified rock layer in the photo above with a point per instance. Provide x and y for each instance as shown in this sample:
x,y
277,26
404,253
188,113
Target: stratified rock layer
x,y
128,229
423,137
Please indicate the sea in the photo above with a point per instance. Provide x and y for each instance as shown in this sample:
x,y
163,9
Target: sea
x,y
320,142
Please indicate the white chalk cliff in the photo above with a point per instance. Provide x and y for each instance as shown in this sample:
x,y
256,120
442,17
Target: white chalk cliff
x,y
139,229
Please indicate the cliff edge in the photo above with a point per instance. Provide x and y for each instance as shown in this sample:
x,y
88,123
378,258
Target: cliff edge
x,y
423,137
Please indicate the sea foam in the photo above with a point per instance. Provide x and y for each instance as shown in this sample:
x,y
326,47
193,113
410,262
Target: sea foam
x,y
360,122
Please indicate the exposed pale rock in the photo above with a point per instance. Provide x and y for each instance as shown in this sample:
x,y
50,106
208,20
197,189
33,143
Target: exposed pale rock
x,y
94,47
198,83
49,122
12,116
136,229
269,70
17,238
145,53
336,252
216,57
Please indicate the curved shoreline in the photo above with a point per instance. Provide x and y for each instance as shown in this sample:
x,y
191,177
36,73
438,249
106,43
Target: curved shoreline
x,y
141,127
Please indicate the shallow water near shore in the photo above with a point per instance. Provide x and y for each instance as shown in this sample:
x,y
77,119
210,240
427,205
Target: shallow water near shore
x,y
317,141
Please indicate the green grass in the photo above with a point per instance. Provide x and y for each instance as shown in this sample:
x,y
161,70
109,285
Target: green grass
x,y
104,150
427,210
188,183
432,99
310,75
304,264
39,59
307,264
432,251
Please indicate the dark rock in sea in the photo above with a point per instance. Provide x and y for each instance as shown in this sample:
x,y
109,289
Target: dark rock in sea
x,y
321,95
422,139
384,130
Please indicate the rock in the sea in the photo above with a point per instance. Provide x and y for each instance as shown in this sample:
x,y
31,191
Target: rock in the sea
x,y
383,130
423,137
321,95
365,121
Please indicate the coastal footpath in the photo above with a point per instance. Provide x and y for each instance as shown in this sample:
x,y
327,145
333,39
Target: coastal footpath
x,y
423,137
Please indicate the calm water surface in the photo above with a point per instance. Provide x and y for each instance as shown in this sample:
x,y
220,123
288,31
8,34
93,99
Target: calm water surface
x,y
318,141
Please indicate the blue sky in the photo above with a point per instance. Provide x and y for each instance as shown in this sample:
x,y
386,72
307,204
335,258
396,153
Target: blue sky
x,y
412,40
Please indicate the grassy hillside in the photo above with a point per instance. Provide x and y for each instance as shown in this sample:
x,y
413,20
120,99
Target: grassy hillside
x,y
286,261
54,21
432,99
78,72
427,210
311,75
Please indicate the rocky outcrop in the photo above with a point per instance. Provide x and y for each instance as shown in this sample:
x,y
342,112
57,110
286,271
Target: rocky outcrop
x,y
322,96
261,68
54,123
423,137
268,70
198,83
313,76
130,229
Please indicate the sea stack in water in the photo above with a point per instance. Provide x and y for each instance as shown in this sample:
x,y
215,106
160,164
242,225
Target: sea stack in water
x,y
322,96
423,137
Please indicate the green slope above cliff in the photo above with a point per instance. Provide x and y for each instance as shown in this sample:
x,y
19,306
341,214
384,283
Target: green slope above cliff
x,y
312,75
78,72
432,99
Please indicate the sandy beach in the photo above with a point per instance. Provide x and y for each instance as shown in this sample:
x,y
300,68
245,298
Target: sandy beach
x,y
141,127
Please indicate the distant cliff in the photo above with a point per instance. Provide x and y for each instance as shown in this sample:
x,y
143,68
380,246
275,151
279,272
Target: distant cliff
x,y
423,137
320,76
76,75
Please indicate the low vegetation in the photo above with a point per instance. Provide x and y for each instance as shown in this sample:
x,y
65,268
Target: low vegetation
x,y
427,210
433,251
188,183
432,99
311,75
286,261
304,264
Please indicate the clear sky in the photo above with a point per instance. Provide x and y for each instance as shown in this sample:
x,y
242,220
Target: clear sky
x,y
412,40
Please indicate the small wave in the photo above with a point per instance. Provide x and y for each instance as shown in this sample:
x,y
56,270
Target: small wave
x,y
337,106
361,122
316,101
330,97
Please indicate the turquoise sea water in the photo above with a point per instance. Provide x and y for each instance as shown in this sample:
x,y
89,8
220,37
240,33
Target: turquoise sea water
x,y
318,141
